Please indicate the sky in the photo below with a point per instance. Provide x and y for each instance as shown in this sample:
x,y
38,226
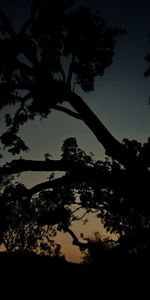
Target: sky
x,y
120,98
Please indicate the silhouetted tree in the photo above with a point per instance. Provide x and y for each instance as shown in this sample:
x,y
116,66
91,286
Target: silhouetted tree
x,y
34,62
99,249
19,226
57,52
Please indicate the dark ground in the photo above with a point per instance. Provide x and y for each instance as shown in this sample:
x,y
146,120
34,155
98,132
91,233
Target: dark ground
x,y
29,276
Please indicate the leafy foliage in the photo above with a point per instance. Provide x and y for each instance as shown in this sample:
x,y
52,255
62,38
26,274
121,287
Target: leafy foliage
x,y
20,229
99,249
121,198
57,50
34,63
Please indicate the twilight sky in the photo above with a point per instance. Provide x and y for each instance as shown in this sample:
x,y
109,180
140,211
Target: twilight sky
x,y
121,96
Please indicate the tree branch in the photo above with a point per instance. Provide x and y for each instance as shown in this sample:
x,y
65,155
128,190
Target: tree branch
x,y
25,98
87,245
112,146
22,165
76,242
69,77
80,218
79,207
77,175
62,71
67,111
48,184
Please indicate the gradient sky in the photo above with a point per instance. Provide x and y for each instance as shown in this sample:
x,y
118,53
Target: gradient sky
x,y
120,98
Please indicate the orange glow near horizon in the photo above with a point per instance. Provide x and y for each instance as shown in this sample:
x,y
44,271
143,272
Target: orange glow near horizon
x,y
72,252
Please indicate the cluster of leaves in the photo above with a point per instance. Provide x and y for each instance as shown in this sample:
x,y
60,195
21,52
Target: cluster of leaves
x,y
13,142
126,208
34,62
118,197
99,249
71,152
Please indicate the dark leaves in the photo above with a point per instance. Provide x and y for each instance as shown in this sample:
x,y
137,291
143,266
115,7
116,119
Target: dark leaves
x,y
36,61
8,120
71,151
15,144
92,45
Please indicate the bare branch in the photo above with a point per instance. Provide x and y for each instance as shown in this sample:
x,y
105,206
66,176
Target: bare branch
x,y
26,98
70,72
87,173
62,71
23,165
76,242
112,146
78,219
48,184
73,212
67,111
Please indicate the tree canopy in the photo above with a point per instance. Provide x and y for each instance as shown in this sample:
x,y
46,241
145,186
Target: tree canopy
x,y
57,52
